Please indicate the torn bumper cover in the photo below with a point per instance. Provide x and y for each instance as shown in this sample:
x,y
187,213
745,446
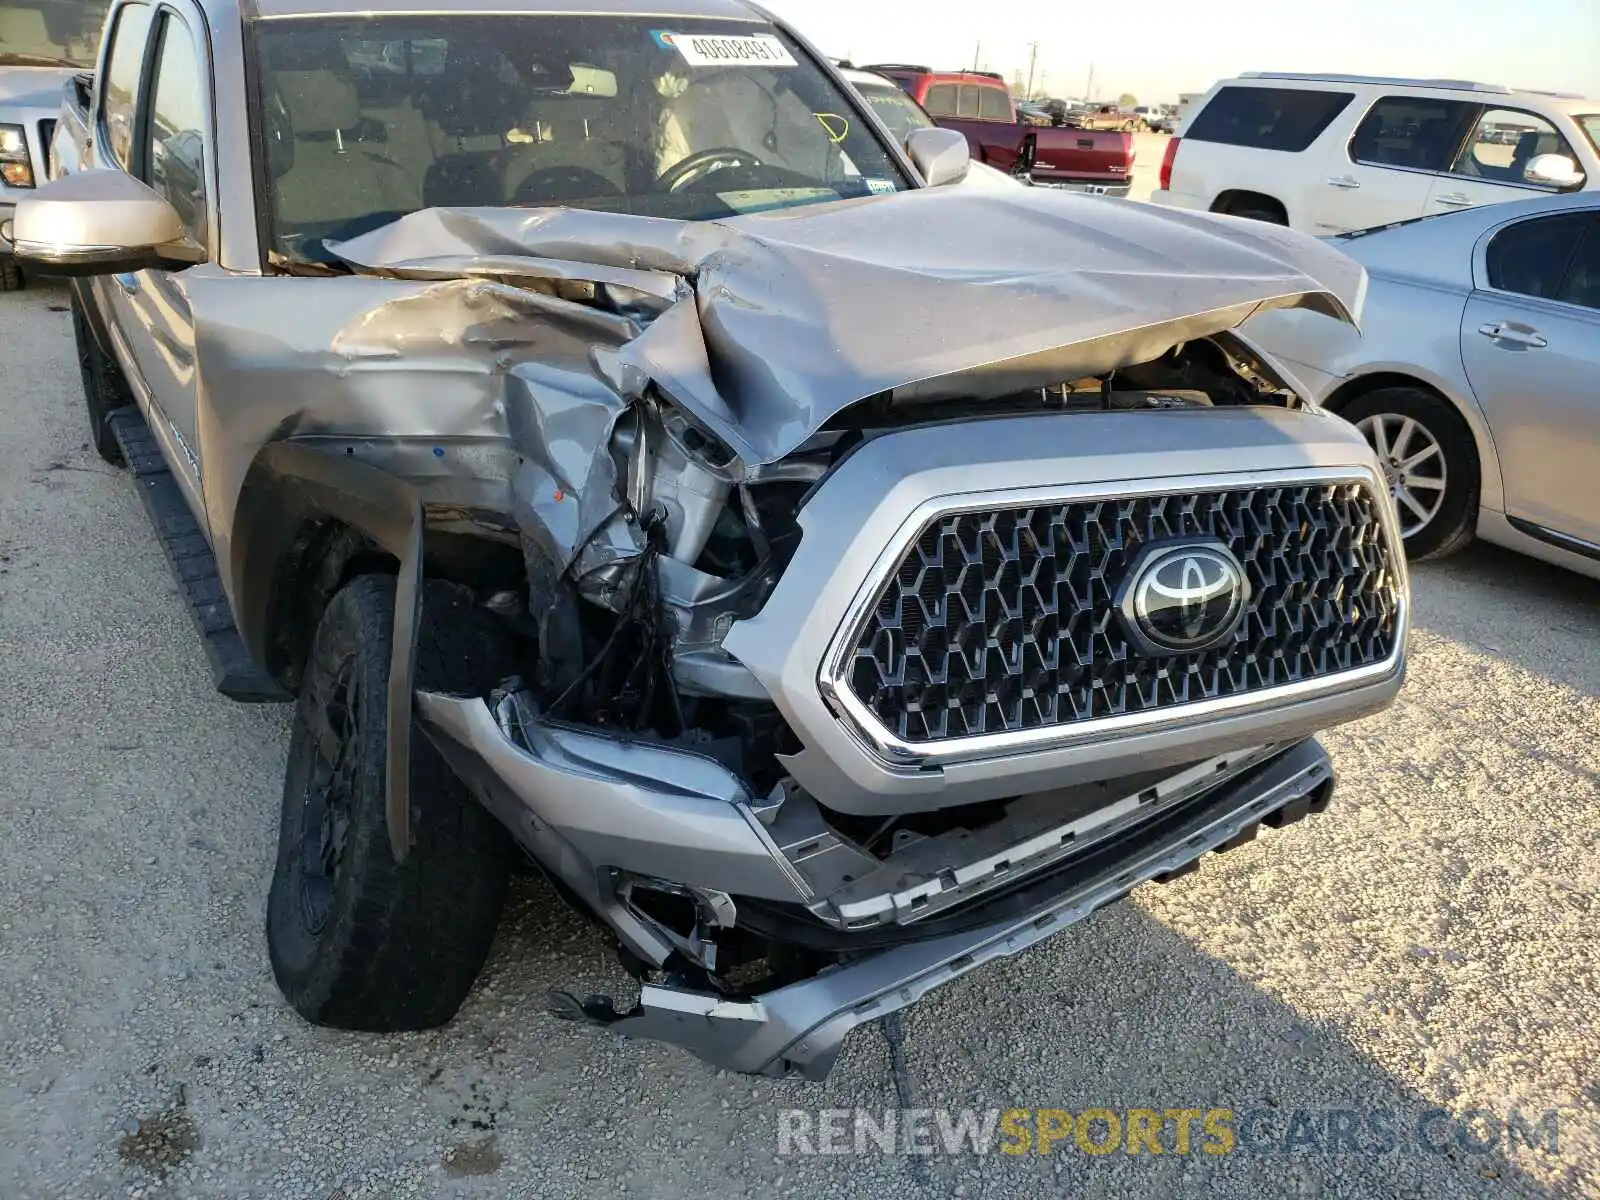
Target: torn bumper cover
x,y
800,1028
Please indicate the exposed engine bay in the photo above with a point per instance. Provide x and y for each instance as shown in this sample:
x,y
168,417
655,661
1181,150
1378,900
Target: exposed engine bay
x,y
696,541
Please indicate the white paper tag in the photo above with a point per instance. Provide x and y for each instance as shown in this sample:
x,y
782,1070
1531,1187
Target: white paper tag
x,y
722,50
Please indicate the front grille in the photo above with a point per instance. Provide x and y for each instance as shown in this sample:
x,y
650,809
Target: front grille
x,y
1005,620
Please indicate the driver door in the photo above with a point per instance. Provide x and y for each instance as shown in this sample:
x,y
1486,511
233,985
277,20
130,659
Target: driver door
x,y
171,157
160,137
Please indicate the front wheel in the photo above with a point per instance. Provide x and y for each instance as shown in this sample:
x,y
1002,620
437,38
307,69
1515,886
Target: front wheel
x,y
1429,462
358,941
10,277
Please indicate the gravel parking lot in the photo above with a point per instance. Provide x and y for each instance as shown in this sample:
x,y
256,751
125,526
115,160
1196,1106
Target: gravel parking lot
x,y
1428,943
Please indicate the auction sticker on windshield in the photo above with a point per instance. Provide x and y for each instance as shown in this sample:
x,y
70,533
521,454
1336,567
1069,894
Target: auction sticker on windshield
x,y
719,50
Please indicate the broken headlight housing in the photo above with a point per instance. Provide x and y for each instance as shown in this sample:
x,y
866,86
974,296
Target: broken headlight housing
x,y
15,167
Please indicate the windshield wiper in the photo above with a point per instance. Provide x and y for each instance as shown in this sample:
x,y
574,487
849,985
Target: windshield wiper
x,y
10,58
285,265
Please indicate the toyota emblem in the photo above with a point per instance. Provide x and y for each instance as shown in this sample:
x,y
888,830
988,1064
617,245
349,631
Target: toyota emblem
x,y
1181,597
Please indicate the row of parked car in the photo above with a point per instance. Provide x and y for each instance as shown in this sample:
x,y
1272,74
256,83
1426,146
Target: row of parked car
x,y
1486,427
1476,210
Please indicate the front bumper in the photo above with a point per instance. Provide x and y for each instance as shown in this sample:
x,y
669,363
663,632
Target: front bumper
x,y
1117,190
800,1029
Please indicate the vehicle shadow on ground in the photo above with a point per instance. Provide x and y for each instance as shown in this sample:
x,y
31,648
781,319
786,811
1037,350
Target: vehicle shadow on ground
x,y
1118,1013
1554,613
1509,626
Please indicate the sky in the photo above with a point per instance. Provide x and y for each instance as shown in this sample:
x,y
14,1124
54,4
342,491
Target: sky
x,y
1156,49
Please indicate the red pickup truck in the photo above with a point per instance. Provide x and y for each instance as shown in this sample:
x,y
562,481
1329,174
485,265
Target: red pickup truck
x,y
979,104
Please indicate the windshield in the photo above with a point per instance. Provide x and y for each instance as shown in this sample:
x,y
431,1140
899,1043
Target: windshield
x,y
895,109
51,33
365,120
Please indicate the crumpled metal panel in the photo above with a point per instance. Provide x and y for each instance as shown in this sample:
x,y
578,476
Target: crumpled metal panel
x,y
485,394
799,313
465,353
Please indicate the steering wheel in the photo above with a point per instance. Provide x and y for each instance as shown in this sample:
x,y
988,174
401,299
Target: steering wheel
x,y
558,185
703,163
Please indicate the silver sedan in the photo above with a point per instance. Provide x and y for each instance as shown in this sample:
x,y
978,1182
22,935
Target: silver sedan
x,y
1476,375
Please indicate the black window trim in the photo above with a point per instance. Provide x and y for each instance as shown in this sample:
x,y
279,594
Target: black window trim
x,y
165,15
102,130
1591,228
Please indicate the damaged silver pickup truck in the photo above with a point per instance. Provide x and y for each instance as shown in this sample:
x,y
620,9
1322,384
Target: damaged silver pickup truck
x,y
632,462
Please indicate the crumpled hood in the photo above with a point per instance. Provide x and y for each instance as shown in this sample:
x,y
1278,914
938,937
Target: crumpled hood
x,y
770,324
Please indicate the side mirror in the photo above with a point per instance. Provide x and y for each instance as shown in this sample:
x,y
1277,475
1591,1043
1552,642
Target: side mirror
x,y
99,223
941,155
1553,170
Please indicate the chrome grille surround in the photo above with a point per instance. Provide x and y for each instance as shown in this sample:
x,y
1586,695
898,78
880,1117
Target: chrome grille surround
x,y
1095,712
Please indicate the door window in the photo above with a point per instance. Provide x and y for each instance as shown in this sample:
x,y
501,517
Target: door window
x,y
120,108
1582,284
1287,119
941,101
1531,258
1415,132
993,105
1504,142
176,153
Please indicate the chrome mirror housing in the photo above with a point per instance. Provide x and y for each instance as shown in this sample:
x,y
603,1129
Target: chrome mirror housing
x,y
99,222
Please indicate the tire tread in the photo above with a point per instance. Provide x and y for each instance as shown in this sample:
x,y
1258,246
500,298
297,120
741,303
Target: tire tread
x,y
407,950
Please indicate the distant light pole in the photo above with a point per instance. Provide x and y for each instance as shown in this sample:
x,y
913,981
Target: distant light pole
x,y
1033,59
977,50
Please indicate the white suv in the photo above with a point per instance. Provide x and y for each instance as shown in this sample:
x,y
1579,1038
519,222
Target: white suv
x,y
1331,153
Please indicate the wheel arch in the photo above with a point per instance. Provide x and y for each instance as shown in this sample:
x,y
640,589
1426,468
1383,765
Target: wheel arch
x,y
1490,493
306,520
1232,198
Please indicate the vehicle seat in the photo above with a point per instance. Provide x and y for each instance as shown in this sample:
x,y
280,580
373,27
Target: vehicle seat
x,y
730,109
328,174
466,121
572,131
407,137
23,30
